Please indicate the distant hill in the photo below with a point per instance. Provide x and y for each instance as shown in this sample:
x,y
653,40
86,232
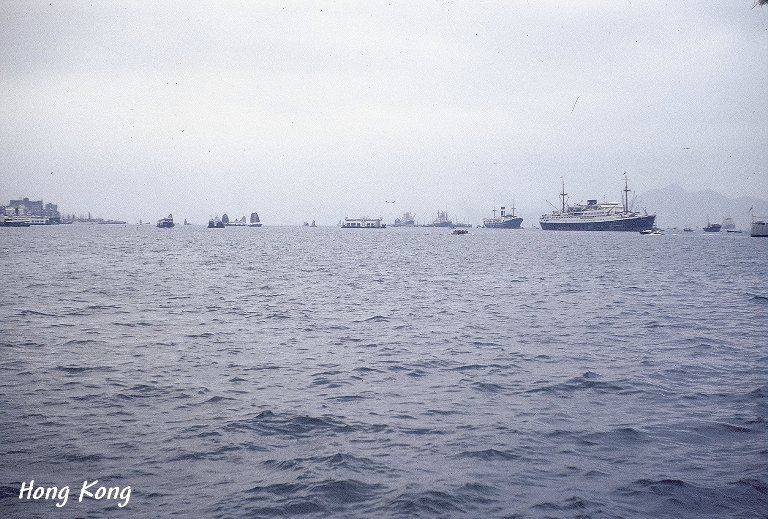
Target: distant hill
x,y
676,207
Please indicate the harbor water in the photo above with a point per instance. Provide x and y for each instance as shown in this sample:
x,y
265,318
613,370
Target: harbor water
x,y
328,372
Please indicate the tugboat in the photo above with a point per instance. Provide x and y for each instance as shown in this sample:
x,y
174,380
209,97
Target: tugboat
x,y
594,216
255,222
165,223
712,227
506,221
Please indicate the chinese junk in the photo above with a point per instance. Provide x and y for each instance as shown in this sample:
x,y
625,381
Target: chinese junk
x,y
594,216
255,222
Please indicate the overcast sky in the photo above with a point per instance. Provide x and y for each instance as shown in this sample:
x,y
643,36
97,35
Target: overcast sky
x,y
317,110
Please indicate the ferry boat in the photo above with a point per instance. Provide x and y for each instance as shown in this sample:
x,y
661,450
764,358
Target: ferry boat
x,y
407,220
505,221
165,223
759,228
364,222
594,216
729,224
15,220
255,222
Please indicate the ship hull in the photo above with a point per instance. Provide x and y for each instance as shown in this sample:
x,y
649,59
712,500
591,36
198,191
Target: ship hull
x,y
513,223
635,224
759,230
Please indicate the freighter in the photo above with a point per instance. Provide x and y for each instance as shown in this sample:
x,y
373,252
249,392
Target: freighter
x,y
506,221
407,220
594,216
442,220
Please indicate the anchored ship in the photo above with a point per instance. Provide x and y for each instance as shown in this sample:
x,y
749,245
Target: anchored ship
x,y
594,216
759,227
505,221
443,220
216,223
712,227
407,220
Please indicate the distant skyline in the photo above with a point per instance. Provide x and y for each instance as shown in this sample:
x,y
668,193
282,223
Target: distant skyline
x,y
316,111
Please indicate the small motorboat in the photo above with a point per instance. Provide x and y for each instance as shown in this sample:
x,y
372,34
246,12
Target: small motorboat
x,y
460,231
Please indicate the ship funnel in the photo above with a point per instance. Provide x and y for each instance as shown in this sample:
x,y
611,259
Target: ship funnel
x,y
502,211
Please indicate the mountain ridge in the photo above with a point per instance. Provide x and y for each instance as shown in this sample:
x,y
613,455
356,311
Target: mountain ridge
x,y
676,207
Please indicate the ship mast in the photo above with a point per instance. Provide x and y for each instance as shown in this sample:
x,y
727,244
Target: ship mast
x,y
563,194
626,195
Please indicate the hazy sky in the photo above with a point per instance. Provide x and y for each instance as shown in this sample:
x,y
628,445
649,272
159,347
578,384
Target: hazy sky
x,y
317,110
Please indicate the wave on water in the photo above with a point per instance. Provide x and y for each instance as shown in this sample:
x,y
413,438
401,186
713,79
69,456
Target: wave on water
x,y
271,374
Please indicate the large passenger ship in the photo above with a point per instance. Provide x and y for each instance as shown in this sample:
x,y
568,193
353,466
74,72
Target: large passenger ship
x,y
594,216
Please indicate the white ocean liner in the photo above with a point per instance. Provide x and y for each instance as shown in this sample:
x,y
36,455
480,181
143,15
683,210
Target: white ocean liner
x,y
594,216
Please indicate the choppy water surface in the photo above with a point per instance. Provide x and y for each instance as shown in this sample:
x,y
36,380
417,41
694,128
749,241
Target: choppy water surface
x,y
386,373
